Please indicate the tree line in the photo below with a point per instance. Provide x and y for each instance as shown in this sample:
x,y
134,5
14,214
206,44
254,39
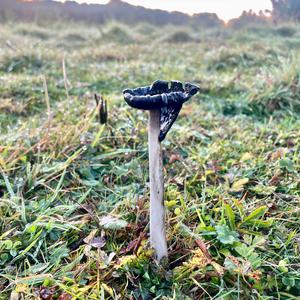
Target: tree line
x,y
283,10
114,10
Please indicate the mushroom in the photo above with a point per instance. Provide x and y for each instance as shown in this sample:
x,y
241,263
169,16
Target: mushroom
x,y
164,101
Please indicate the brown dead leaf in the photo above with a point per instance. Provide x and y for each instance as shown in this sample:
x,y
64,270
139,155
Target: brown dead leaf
x,y
278,154
255,275
178,181
141,203
174,157
64,296
272,206
203,248
134,245
234,260
275,180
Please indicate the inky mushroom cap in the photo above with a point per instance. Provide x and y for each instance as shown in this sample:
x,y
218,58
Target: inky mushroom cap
x,y
164,95
160,93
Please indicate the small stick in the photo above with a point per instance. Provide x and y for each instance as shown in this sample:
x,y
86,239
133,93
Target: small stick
x,y
47,100
102,106
157,209
66,81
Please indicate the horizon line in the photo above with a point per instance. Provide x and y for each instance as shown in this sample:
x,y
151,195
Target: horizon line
x,y
224,18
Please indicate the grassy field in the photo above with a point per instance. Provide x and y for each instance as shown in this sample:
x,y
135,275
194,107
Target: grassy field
x,y
74,193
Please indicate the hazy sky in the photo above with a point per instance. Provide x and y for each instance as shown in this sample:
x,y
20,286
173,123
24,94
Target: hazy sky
x,y
226,9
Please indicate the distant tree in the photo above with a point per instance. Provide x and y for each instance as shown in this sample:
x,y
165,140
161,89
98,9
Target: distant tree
x,y
207,20
249,18
284,10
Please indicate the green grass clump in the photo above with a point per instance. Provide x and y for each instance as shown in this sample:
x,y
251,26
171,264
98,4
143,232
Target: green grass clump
x,y
118,33
226,59
286,31
21,62
37,33
74,197
179,36
74,38
278,90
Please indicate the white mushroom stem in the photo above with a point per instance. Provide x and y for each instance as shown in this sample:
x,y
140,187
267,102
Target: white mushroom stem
x,y
157,209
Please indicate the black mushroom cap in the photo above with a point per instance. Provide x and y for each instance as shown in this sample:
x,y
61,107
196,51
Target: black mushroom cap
x,y
160,93
164,95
